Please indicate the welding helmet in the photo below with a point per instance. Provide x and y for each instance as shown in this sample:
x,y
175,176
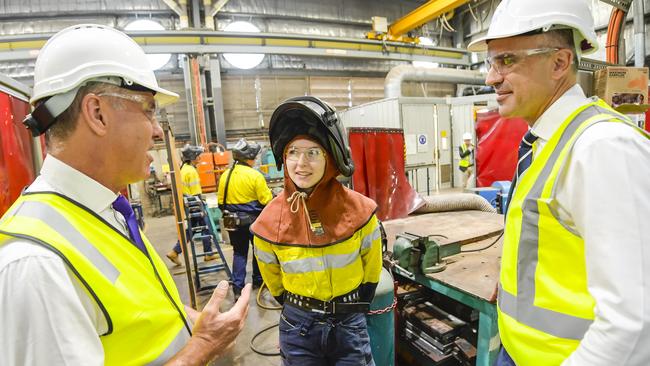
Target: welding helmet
x,y
190,152
244,150
307,115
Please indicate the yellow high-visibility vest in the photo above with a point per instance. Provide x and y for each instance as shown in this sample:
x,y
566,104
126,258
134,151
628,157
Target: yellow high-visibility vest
x,y
544,305
146,321
464,162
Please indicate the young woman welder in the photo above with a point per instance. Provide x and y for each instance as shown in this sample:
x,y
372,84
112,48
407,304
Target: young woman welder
x,y
318,243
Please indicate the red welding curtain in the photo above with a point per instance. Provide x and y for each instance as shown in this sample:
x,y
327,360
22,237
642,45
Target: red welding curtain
x,y
379,173
498,140
16,167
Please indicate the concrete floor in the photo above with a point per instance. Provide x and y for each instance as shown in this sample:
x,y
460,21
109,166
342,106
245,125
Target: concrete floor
x,y
161,232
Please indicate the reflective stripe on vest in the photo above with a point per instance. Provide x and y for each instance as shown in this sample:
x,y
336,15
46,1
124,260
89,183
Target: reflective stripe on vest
x,y
322,272
135,292
41,211
561,331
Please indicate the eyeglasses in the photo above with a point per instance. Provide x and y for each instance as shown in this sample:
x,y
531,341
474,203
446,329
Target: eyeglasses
x,y
504,62
312,154
147,105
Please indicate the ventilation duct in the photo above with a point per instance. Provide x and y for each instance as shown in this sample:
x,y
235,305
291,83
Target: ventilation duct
x,y
398,74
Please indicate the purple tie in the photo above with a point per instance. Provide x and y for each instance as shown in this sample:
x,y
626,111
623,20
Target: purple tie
x,y
122,205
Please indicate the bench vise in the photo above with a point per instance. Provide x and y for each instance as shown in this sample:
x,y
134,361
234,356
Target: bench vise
x,y
422,254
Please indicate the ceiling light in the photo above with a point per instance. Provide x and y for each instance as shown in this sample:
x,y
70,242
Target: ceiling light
x,y
156,60
426,41
243,60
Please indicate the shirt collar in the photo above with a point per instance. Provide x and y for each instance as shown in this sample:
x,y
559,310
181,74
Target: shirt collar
x,y
74,184
554,116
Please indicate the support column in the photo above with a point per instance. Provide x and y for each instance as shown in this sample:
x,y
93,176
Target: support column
x,y
187,79
215,99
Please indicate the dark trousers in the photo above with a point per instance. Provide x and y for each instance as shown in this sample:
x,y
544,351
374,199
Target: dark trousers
x,y
196,221
503,359
241,239
312,339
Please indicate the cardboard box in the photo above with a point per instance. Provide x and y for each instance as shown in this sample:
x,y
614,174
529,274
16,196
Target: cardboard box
x,y
623,87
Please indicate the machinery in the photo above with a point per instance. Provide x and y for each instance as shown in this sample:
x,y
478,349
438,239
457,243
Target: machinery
x,y
439,337
210,166
422,254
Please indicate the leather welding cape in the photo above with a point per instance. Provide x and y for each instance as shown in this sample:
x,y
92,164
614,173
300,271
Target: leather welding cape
x,y
339,211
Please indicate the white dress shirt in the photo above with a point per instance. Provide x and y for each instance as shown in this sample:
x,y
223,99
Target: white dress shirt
x,y
603,195
46,314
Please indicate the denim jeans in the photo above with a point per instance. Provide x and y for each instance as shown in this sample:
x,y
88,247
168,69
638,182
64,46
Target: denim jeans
x,y
312,339
241,239
503,359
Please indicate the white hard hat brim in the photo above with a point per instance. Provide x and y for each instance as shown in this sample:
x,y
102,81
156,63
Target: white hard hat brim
x,y
164,97
481,44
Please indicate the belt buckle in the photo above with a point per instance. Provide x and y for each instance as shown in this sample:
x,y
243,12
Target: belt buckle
x,y
324,308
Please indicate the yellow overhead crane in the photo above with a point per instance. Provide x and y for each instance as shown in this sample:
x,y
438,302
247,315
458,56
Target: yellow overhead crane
x,y
425,13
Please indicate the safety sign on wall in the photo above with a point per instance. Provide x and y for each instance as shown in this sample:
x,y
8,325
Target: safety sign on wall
x,y
423,143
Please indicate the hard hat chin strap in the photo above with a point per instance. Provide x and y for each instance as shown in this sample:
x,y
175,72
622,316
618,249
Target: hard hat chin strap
x,y
44,116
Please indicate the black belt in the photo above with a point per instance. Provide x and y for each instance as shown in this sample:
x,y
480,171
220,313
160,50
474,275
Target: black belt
x,y
345,304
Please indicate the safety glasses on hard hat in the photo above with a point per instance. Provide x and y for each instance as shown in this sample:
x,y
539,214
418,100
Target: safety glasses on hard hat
x,y
147,105
504,62
312,154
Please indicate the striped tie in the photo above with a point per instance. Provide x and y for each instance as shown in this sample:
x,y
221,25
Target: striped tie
x,y
525,158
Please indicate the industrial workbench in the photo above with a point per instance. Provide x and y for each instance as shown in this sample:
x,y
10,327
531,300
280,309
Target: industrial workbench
x,y
469,278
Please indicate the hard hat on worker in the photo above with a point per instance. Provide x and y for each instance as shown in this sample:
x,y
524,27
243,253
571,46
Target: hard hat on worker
x,y
87,53
518,17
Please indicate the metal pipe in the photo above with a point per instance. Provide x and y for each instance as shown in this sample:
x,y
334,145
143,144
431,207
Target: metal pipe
x,y
400,73
198,100
639,33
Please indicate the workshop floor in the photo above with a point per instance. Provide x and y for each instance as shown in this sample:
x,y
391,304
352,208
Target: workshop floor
x,y
161,232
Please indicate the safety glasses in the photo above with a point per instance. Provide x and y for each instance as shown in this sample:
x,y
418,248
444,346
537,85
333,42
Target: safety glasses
x,y
312,154
147,105
503,63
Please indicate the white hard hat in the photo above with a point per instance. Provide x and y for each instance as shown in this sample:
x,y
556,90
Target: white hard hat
x,y
85,52
467,136
516,17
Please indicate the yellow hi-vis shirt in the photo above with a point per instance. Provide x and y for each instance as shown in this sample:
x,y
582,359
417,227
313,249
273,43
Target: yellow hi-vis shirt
x,y
191,180
146,321
322,272
247,191
544,305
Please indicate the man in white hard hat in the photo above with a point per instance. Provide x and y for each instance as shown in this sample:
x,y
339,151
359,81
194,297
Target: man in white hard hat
x,y
466,152
79,283
574,285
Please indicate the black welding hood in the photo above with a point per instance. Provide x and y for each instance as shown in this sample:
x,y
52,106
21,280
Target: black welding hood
x,y
307,115
190,152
